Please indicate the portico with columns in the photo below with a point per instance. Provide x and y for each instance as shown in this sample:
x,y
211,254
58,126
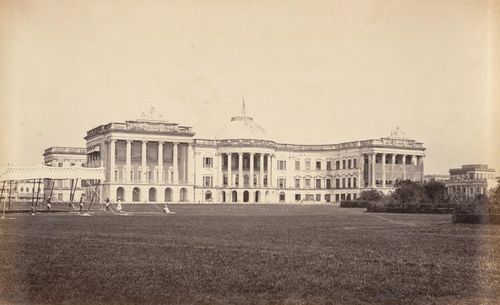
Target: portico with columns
x,y
146,161
383,168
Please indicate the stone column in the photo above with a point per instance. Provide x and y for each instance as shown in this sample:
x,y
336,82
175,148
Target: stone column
x,y
240,170
373,160
112,153
393,161
128,161
271,171
404,167
175,166
261,171
421,168
190,162
143,161
160,162
413,163
251,169
229,171
220,183
268,170
383,170
361,171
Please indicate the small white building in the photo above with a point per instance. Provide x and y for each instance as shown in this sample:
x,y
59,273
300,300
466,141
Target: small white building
x,y
471,180
63,157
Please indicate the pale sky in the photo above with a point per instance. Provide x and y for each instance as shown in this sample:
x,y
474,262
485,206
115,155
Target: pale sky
x,y
312,72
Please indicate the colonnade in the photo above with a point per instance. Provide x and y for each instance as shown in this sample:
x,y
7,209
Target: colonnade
x,y
250,171
187,164
415,160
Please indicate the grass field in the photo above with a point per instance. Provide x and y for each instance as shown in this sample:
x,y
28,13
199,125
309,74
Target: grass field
x,y
223,254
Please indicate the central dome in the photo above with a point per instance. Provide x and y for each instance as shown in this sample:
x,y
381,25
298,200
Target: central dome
x,y
242,127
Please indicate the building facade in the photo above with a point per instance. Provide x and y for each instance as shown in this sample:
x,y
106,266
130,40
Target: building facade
x,y
151,160
471,180
63,157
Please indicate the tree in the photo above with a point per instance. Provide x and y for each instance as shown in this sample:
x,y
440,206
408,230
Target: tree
x,y
435,191
408,191
371,195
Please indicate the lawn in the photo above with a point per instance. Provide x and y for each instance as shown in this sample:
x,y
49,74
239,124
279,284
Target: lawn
x,y
230,254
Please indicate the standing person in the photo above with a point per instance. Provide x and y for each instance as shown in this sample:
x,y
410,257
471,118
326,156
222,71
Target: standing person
x,y
81,203
48,203
166,210
107,204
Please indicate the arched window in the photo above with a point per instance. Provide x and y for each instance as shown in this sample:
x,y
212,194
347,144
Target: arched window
x,y
120,194
282,196
136,194
168,194
183,195
152,194
208,195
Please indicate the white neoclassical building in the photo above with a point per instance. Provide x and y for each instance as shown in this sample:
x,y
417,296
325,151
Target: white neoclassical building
x,y
150,160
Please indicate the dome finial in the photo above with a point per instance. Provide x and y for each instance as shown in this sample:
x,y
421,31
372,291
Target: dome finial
x,y
243,112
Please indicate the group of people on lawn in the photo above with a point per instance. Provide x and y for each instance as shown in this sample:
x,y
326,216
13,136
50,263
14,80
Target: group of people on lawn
x,y
107,202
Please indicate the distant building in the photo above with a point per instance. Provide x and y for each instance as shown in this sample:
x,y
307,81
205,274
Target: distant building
x,y
152,160
471,180
439,178
63,157
22,191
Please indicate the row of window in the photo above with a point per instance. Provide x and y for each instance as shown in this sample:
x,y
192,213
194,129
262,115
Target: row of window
x,y
340,183
317,197
319,165
281,164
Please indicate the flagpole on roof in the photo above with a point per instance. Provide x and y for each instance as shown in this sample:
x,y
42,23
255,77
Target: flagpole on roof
x,y
243,109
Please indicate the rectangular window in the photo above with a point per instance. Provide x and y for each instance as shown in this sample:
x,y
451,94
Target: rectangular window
x,y
337,164
208,162
318,197
328,183
297,165
354,182
337,183
328,165
343,164
349,182
281,183
60,165
297,183
207,181
354,165
349,163
307,183
318,183
297,197
308,165
337,197
224,180
318,165
281,165
343,182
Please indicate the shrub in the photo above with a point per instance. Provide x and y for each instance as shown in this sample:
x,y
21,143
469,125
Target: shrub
x,y
371,195
354,203
435,191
